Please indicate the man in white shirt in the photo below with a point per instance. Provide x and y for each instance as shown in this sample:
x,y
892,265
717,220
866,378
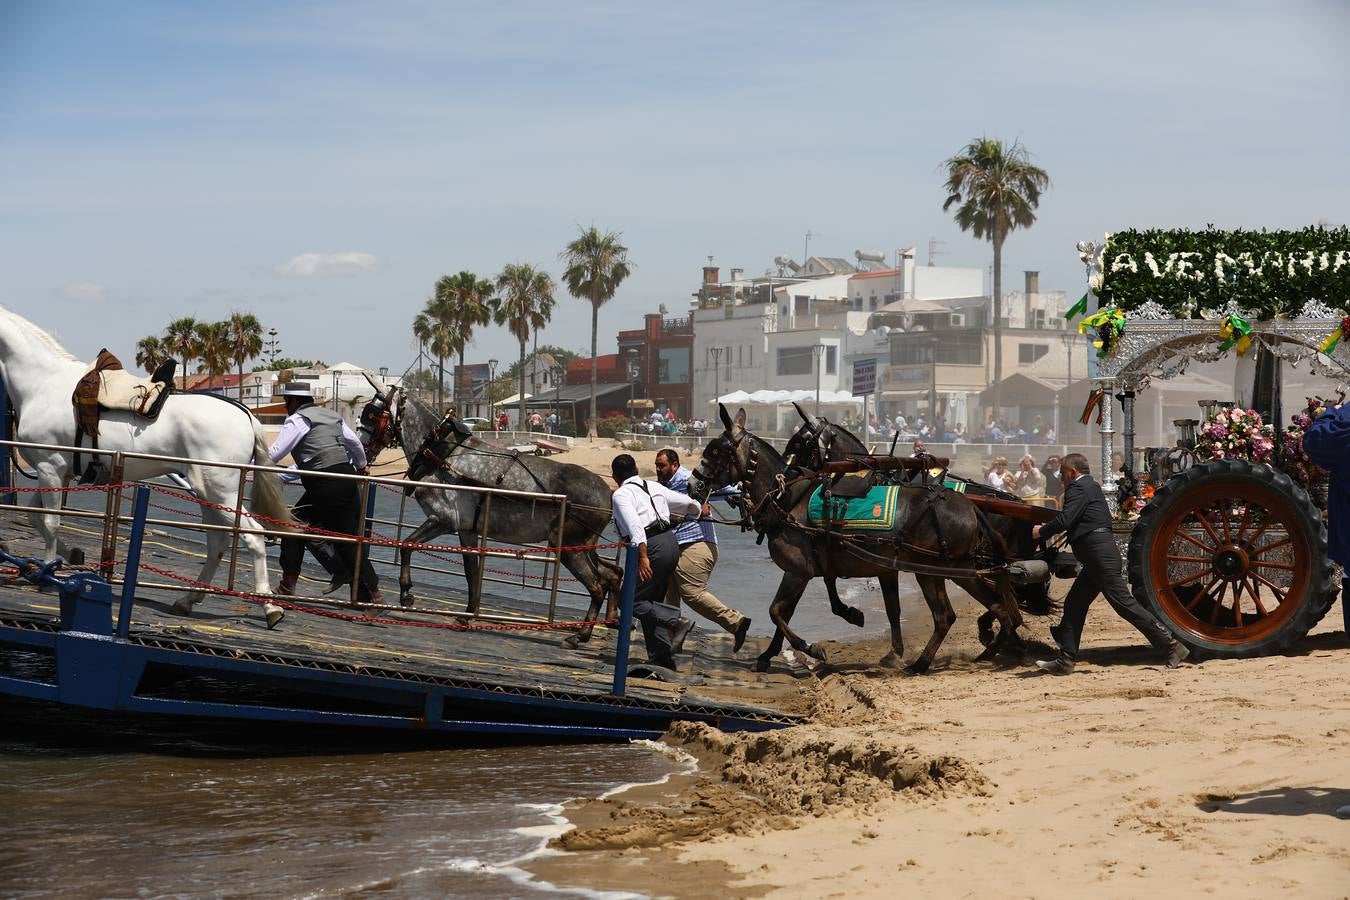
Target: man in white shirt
x,y
642,512
320,441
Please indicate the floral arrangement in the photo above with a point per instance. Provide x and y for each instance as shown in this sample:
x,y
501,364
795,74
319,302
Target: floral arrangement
x,y
1294,461
1235,434
1272,273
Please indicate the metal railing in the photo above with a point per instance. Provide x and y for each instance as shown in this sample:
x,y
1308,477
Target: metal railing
x,y
114,519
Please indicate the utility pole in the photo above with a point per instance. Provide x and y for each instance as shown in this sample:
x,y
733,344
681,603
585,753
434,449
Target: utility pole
x,y
819,350
806,249
717,372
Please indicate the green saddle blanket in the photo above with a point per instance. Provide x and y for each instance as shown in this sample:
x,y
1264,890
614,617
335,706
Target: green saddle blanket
x,y
874,512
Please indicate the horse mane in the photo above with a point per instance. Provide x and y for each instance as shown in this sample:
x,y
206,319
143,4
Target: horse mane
x,y
37,334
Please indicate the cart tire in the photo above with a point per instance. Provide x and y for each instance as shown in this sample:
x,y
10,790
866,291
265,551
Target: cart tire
x,y
1232,558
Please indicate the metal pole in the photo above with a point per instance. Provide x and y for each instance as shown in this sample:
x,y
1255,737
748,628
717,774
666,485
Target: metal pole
x,y
133,560
108,556
557,561
482,545
362,528
625,620
6,454
238,517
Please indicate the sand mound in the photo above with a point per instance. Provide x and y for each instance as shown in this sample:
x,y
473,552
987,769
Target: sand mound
x,y
767,781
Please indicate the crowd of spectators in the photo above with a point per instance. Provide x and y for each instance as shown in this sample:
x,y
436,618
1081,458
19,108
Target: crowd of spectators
x,y
939,430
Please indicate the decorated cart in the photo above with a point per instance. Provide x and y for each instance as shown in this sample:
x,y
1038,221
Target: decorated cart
x,y
1225,534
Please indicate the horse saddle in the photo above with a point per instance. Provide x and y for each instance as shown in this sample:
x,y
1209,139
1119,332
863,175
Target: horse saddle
x,y
874,511
853,486
108,386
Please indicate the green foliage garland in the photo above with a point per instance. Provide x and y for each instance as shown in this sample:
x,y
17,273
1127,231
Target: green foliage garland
x,y
1272,273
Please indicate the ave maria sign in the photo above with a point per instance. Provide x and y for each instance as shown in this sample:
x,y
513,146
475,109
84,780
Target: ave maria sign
x,y
1269,273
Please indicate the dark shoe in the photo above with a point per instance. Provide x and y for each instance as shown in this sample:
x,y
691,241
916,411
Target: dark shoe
x,y
1060,665
741,631
678,633
338,581
1177,653
287,586
1058,633
370,597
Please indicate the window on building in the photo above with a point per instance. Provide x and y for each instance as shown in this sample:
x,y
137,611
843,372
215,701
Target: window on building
x,y
740,357
794,360
1029,353
956,348
1038,318
672,366
831,359
872,304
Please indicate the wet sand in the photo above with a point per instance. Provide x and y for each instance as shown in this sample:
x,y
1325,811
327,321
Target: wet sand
x,y
1122,780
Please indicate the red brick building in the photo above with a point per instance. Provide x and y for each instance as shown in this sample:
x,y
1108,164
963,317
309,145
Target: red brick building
x,y
664,351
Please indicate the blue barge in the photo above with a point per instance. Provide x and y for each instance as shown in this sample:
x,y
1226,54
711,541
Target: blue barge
x,y
70,641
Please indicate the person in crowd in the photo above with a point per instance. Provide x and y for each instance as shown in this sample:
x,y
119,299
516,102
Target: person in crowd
x,y
872,429
920,448
1327,443
503,422
1030,481
900,424
319,440
698,555
1053,487
999,476
1117,464
1050,436
536,421
996,435
642,512
552,423
959,434
1086,519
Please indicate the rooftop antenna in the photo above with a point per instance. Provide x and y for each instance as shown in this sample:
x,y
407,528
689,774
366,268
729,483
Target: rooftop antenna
x,y
806,250
710,259
933,245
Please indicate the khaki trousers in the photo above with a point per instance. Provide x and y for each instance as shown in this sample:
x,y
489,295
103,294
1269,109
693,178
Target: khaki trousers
x,y
690,585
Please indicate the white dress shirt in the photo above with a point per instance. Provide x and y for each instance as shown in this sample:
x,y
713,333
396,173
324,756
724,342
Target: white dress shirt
x,y
633,511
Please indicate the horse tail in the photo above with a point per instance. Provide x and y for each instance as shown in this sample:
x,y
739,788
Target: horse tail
x,y
268,500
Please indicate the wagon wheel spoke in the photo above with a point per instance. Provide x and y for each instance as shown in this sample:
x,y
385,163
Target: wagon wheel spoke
x,y
1245,521
1281,543
1203,519
1276,589
1189,578
1256,597
1218,604
1189,559
1258,532
1226,511
1237,602
1272,565
1194,540
1202,595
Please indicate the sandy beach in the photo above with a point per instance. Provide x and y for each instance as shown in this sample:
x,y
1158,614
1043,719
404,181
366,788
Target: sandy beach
x,y
1122,780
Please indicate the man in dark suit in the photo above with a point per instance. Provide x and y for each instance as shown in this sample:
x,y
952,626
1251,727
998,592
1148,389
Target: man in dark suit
x,y
1087,519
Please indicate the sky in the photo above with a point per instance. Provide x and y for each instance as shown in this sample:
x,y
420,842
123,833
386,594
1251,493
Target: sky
x,y
322,164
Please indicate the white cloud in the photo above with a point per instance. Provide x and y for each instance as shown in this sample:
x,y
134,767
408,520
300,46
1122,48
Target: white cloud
x,y
84,291
312,265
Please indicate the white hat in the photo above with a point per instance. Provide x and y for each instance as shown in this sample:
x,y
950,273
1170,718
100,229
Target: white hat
x,y
297,389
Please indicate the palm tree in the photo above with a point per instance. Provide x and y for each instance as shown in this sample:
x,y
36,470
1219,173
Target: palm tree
x,y
469,300
596,265
245,342
180,340
151,353
436,331
524,303
215,348
995,190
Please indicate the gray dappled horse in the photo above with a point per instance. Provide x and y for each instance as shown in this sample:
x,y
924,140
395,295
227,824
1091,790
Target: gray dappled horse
x,y
443,449
818,441
936,530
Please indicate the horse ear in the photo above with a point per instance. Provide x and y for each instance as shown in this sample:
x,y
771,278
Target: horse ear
x,y
725,416
740,418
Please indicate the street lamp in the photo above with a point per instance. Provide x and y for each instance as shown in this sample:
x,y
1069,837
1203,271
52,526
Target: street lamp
x,y
1068,341
492,403
384,372
933,342
717,372
559,373
819,350
631,356
257,391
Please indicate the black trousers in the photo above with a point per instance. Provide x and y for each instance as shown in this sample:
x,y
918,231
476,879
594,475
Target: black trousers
x,y
658,620
1099,556
334,505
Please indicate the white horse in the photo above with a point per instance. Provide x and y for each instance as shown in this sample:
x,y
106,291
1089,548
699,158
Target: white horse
x,y
40,377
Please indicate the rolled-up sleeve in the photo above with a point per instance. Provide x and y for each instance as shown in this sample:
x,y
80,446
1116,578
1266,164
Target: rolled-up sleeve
x,y
680,504
292,430
355,451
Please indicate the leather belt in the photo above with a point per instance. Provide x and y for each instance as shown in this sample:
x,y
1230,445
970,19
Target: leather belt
x,y
656,528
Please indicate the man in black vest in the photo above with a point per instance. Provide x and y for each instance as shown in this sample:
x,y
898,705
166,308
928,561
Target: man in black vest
x,y
1087,519
320,441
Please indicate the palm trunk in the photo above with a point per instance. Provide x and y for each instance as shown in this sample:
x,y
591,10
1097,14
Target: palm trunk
x,y
520,420
998,327
591,433
459,380
240,365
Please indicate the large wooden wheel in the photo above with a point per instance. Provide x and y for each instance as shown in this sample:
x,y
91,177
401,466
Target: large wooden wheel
x,y
1231,555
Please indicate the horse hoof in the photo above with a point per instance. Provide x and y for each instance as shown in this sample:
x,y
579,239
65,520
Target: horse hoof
x,y
182,608
571,642
854,617
274,616
989,653
406,600
817,652
892,660
918,667
762,663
